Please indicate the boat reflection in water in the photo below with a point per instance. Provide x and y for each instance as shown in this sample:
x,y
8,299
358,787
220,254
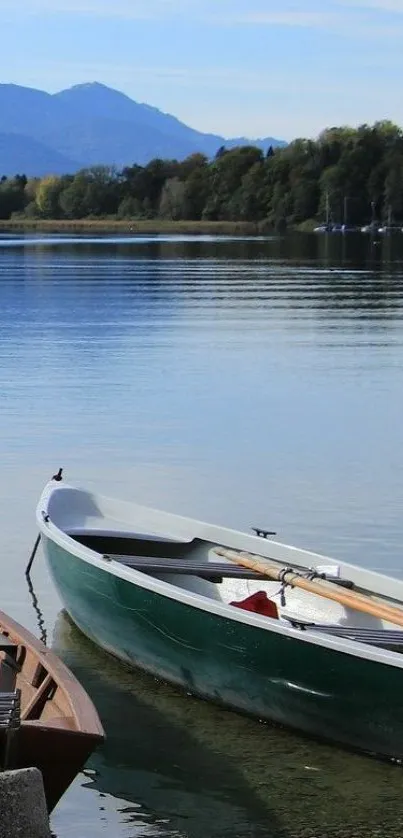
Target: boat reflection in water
x,y
173,765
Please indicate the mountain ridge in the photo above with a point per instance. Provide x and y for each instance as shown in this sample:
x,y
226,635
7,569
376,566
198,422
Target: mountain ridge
x,y
93,124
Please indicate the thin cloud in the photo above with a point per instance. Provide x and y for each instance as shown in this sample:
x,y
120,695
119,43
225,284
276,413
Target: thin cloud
x,y
127,9
360,20
205,78
229,78
343,16
383,6
291,18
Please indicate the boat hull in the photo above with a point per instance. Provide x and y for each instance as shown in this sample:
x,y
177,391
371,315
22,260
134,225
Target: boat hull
x,y
319,690
60,726
42,747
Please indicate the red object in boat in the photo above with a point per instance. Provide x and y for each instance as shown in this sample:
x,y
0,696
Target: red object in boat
x,y
259,603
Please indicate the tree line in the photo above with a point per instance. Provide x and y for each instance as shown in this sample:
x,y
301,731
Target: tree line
x,y
359,171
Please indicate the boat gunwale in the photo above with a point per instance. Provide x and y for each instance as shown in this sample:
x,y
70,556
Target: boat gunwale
x,y
200,601
83,711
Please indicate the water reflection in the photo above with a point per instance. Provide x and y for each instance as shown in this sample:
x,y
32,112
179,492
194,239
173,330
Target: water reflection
x,y
319,272
301,248
40,619
155,758
204,771
247,382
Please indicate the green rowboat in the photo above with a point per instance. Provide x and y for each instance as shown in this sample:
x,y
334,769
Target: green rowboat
x,y
150,588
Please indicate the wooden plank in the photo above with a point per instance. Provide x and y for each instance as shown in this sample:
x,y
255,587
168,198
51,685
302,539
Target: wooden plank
x,y
39,698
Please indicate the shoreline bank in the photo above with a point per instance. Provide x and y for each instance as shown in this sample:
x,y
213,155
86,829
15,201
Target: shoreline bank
x,y
128,227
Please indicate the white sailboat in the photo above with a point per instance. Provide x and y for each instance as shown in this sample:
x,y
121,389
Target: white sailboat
x,y
327,226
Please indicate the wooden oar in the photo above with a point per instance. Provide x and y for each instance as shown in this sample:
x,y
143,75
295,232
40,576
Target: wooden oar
x,y
350,599
276,571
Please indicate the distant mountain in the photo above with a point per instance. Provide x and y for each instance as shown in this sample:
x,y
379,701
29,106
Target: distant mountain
x,y
23,155
92,124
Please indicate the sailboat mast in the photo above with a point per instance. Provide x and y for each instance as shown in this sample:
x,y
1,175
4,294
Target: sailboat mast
x,y
345,210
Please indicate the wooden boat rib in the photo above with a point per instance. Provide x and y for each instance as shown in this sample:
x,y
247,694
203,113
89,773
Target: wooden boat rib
x,y
59,725
153,589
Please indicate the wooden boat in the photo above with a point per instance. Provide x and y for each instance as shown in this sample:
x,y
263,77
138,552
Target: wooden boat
x,y
47,720
318,646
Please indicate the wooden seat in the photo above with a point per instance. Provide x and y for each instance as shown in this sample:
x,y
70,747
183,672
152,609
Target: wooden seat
x,y
384,638
213,571
154,546
10,720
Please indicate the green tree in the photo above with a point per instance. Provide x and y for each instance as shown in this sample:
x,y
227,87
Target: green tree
x,y
130,208
197,189
12,196
72,198
394,189
226,173
47,194
173,197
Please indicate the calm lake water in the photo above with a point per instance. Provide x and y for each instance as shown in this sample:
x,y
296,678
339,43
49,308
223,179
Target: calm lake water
x,y
243,381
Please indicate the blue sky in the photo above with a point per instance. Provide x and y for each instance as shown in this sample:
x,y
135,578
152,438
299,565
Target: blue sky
x,y
250,67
